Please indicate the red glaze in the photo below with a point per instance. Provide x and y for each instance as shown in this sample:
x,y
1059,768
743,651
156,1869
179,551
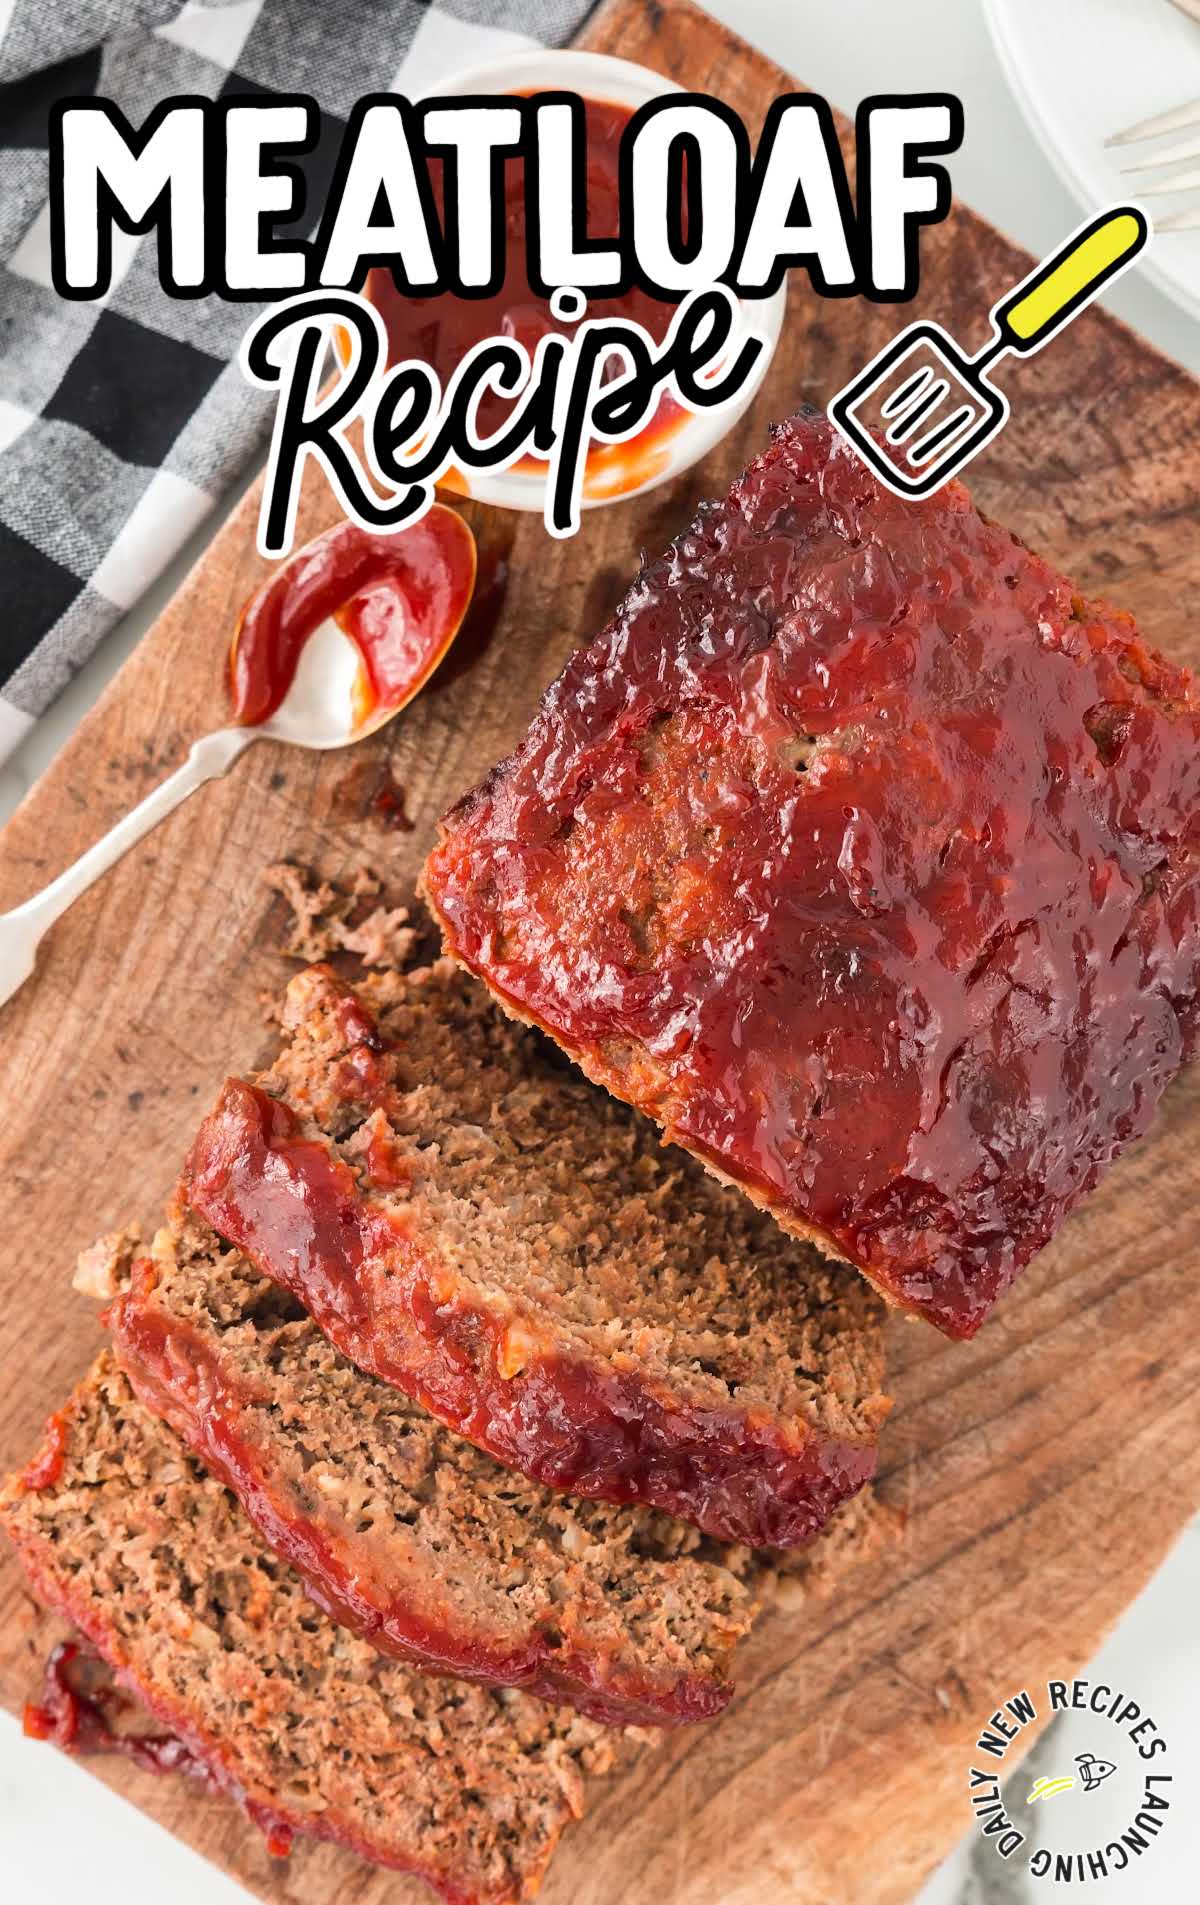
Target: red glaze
x,y
82,1724
299,1213
47,1465
179,1378
399,598
278,1825
360,1031
864,854
440,331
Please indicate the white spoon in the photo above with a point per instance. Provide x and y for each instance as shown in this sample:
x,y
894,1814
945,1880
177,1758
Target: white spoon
x,y
318,711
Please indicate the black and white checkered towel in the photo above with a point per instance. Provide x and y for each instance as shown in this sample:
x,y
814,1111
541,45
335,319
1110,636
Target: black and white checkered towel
x,y
122,421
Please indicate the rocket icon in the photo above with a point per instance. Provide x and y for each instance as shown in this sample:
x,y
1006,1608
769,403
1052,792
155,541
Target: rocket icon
x,y
1093,1770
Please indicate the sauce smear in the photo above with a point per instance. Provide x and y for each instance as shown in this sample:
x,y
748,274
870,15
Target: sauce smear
x,y
85,1722
400,599
81,1712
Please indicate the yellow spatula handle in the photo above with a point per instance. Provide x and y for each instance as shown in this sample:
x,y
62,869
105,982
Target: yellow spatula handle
x,y
1071,278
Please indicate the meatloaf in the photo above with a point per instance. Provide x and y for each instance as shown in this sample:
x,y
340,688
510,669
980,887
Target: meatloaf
x,y
862,852
468,1220
307,1726
405,1532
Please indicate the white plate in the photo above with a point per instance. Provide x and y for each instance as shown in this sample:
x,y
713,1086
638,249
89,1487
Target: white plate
x,y
1083,69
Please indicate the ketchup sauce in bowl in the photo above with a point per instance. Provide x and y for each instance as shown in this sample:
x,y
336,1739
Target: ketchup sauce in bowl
x,y
441,330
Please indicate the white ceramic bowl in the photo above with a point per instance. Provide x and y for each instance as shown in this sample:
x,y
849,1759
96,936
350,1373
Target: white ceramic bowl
x,y
629,470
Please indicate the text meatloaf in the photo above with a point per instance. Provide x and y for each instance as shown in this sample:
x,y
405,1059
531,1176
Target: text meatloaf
x,y
310,1728
863,853
407,1533
467,1219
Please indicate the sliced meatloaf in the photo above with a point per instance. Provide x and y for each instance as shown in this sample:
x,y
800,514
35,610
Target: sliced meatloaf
x,y
306,1725
863,853
470,1221
405,1532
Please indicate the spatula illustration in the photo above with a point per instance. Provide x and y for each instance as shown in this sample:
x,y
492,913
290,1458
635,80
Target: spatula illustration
x,y
932,405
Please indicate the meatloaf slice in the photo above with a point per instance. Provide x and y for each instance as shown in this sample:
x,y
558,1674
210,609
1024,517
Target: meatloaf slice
x,y
405,1532
467,1219
863,853
306,1725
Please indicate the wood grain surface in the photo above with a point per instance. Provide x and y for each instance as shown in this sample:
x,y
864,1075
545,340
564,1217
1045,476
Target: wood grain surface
x,y
1046,1467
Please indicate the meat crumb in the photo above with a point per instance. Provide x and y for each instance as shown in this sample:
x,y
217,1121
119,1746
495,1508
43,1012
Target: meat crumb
x,y
324,918
103,1268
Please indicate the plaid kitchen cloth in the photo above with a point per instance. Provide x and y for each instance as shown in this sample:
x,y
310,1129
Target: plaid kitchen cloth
x,y
123,420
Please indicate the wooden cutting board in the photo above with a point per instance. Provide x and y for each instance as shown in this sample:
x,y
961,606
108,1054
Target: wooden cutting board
x,y
1045,1467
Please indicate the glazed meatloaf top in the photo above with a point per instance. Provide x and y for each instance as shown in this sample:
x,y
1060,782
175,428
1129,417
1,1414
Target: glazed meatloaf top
x,y
407,1533
467,1219
306,1725
863,853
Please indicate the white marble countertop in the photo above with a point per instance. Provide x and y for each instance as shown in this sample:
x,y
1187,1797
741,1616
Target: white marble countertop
x,y
845,49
